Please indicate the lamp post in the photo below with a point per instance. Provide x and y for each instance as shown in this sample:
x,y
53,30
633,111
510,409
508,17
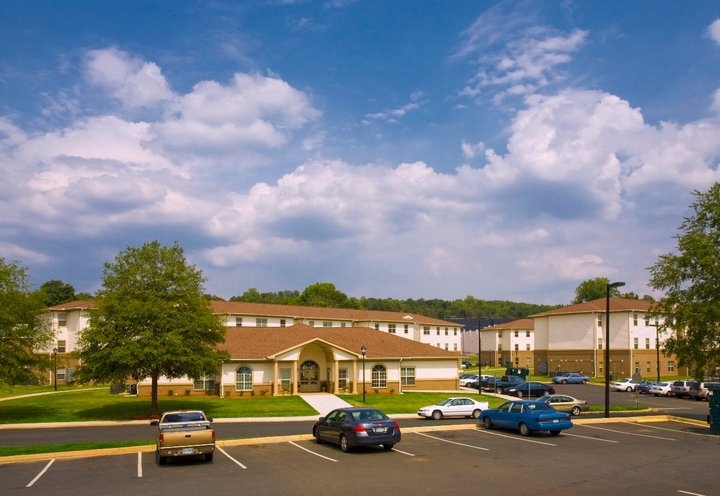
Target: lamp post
x,y
607,344
363,351
55,367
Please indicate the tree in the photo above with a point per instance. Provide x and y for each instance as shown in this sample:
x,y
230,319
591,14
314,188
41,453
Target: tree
x,y
323,294
151,320
690,280
592,289
57,292
23,328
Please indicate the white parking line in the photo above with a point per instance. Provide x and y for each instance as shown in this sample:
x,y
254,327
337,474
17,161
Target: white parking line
x,y
312,452
452,442
403,452
515,437
590,437
37,477
230,457
139,465
691,494
629,433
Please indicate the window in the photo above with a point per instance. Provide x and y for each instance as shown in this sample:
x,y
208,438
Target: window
x,y
637,367
647,367
342,324
516,333
62,319
600,368
282,323
599,343
499,334
391,329
647,343
260,322
455,347
327,323
635,343
61,374
527,334
342,378
671,366
426,330
635,319
527,347
311,323
599,320
406,328
285,379
407,376
446,347
647,320
437,331
517,347
500,347
61,345
379,377
377,327
238,321
204,384
446,331
243,379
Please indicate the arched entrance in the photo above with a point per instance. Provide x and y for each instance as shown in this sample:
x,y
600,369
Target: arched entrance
x,y
309,375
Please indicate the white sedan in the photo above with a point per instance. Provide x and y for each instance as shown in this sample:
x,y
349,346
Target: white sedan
x,y
661,389
454,407
626,384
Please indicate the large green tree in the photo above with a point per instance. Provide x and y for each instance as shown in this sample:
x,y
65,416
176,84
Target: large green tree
x,y
152,320
690,280
23,329
57,292
592,289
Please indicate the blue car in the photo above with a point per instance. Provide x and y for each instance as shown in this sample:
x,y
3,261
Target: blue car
x,y
526,417
571,378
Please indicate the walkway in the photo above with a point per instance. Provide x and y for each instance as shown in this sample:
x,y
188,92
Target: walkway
x,y
323,402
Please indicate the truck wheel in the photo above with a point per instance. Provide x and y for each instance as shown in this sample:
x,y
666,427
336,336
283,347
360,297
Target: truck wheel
x,y
161,460
209,457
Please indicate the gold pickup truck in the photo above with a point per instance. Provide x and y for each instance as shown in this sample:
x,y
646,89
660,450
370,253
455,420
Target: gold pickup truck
x,y
184,433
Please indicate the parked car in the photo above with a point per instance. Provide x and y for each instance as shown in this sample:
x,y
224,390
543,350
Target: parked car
x,y
643,387
529,390
526,416
681,389
626,384
351,427
466,364
453,407
564,403
571,378
499,385
661,389
701,390
183,433
465,378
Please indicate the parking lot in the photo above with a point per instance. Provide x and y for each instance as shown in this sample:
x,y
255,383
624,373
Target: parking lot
x,y
657,457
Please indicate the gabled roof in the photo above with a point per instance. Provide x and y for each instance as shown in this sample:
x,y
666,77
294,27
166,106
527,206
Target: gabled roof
x,y
515,325
599,305
74,305
259,343
323,313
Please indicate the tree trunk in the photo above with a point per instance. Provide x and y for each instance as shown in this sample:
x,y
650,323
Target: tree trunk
x,y
154,395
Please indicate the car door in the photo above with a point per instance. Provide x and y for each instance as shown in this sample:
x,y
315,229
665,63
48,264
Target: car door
x,y
462,407
328,428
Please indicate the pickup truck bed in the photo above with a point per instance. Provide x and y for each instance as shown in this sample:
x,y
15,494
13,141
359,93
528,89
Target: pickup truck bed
x,y
184,433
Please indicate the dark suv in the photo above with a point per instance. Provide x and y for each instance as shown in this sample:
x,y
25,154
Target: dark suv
x,y
681,389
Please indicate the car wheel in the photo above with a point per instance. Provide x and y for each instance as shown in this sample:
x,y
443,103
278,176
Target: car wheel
x,y
524,429
555,433
629,389
344,445
584,381
519,394
476,414
546,393
316,435
487,423
437,415
209,457
575,411
564,381
161,460
388,446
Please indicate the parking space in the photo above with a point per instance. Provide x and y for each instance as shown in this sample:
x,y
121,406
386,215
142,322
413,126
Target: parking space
x,y
662,457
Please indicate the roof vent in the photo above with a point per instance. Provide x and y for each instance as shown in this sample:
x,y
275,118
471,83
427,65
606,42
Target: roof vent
x,y
408,317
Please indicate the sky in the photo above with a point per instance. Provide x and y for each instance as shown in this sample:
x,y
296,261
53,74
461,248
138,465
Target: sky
x,y
505,150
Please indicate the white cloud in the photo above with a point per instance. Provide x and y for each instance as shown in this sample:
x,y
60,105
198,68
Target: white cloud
x,y
131,80
714,31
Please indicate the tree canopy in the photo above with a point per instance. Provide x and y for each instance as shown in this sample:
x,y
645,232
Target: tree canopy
x,y
23,328
57,292
690,280
152,320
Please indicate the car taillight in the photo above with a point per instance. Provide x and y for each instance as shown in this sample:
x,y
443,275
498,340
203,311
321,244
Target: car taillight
x,y
213,435
396,426
162,438
359,428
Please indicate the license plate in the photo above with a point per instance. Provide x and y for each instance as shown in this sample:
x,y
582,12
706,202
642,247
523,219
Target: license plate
x,y
379,429
188,451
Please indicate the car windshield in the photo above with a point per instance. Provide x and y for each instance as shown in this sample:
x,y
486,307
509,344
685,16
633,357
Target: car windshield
x,y
369,415
445,402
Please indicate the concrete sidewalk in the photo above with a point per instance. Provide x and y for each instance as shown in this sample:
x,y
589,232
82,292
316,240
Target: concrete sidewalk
x,y
324,402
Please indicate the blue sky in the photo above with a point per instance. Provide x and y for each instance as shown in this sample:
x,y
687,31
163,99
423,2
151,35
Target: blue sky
x,y
404,149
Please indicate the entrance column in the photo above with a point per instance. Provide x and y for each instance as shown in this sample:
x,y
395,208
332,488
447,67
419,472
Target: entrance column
x,y
276,378
355,376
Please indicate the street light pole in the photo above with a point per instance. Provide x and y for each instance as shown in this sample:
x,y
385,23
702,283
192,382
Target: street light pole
x,y
363,350
607,344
